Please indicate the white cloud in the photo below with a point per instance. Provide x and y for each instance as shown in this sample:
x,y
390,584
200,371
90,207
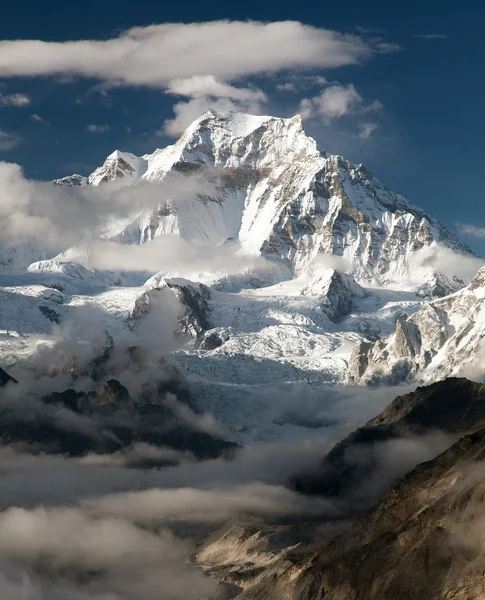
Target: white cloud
x,y
286,87
208,85
374,106
18,100
97,128
106,98
38,119
128,562
366,130
333,102
187,112
171,254
210,505
64,216
472,230
431,36
297,83
442,259
207,91
157,54
385,47
8,140
336,101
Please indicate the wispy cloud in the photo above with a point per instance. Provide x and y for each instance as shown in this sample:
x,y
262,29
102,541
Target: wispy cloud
x,y
337,101
369,30
431,36
386,47
106,98
286,87
297,83
18,100
472,230
97,128
207,91
38,119
366,130
8,140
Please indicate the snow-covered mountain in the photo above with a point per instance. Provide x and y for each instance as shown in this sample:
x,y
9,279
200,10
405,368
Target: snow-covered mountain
x,y
271,188
349,273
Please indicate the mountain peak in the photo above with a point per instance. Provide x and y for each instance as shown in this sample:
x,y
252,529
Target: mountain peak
x,y
118,165
279,196
243,124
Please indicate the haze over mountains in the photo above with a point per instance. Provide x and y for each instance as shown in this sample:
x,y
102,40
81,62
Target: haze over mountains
x,y
220,313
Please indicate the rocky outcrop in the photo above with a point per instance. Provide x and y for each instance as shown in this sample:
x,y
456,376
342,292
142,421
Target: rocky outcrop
x,y
190,300
211,341
337,292
5,378
437,285
445,337
453,407
72,181
359,360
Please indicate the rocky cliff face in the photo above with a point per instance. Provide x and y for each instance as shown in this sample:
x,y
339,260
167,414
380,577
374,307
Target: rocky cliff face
x,y
188,300
422,539
337,292
445,337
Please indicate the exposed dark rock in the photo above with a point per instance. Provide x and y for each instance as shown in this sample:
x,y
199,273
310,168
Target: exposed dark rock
x,y
194,303
446,332
103,350
196,300
5,378
337,292
359,360
50,314
453,406
407,341
77,423
75,401
423,541
211,341
438,286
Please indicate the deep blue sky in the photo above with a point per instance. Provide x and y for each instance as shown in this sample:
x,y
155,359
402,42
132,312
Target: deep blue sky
x,y
429,142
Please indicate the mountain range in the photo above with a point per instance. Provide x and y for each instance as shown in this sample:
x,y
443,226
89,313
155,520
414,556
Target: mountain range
x,y
244,286
317,273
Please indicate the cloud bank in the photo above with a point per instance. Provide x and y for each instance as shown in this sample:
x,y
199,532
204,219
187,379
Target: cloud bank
x,y
62,216
473,230
157,54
